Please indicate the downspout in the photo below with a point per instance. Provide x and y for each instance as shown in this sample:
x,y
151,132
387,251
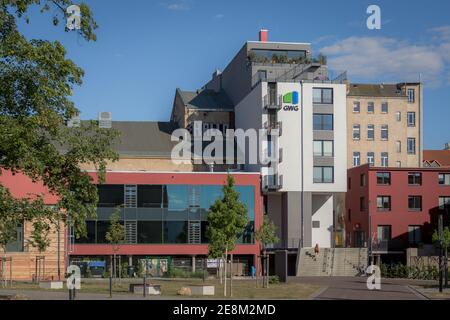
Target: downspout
x,y
302,230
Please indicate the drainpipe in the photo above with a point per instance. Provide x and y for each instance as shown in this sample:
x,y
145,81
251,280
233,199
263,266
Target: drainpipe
x,y
302,230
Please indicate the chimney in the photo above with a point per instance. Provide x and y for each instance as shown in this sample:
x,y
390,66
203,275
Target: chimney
x,y
263,35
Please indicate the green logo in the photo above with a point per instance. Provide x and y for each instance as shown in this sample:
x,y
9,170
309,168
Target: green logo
x,y
291,97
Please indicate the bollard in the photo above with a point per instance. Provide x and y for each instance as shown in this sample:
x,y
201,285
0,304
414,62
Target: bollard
x,y
110,286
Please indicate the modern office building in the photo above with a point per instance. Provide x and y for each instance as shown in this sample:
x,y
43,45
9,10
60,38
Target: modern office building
x,y
384,123
281,89
391,209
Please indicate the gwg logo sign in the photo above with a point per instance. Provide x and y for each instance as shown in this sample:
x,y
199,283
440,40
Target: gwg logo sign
x,y
291,100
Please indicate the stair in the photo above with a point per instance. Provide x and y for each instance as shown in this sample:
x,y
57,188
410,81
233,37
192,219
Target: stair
x,y
332,262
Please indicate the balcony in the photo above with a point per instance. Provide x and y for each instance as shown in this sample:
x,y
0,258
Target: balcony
x,y
273,127
272,182
273,102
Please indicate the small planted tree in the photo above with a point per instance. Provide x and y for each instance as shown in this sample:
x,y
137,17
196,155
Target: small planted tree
x,y
115,235
445,246
227,219
266,234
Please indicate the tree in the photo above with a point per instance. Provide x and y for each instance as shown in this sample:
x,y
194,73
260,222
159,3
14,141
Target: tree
x,y
445,246
227,219
115,235
37,81
266,234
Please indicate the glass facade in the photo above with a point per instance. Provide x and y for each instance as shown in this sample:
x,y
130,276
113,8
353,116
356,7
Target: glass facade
x,y
164,213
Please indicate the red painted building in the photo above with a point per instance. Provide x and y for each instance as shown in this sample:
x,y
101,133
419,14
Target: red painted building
x,y
164,213
395,208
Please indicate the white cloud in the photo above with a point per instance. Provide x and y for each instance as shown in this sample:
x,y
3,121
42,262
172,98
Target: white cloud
x,y
176,6
390,59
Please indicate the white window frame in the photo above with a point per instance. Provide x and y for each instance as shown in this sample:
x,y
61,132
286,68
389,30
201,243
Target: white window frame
x,y
356,159
411,149
356,107
371,156
356,130
411,116
371,128
384,128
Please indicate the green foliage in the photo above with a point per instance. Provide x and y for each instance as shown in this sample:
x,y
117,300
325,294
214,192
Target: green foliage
x,y
227,219
399,270
445,238
274,280
37,81
116,232
266,234
179,273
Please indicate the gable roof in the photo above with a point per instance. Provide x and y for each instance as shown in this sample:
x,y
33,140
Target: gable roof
x,y
206,100
442,157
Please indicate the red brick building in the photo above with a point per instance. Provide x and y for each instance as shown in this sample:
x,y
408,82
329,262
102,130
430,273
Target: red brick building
x,y
395,208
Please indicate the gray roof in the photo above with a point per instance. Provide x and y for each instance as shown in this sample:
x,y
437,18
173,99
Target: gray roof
x,y
144,138
376,90
206,100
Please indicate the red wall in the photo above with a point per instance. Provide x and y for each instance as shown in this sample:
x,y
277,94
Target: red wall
x,y
399,217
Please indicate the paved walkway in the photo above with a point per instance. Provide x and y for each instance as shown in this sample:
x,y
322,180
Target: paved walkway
x,y
354,288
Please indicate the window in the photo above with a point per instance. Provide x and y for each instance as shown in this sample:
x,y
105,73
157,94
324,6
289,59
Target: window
x,y
414,234
362,180
17,245
415,178
398,116
384,203
411,119
384,233
414,203
370,107
323,148
384,107
384,132
371,158
398,164
444,203
356,132
323,121
110,196
356,159
149,232
370,132
323,174
323,95
349,183
411,146
316,224
411,95
356,106
383,178
150,196
385,159
362,204
398,146
444,179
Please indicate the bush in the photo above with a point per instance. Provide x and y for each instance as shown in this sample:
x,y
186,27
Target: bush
x,y
179,273
106,274
274,280
401,271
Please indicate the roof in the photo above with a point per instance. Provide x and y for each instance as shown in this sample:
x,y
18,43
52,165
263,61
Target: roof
x,y
376,90
442,157
144,138
206,99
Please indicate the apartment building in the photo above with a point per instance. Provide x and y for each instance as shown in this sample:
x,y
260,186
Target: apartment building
x,y
392,209
385,127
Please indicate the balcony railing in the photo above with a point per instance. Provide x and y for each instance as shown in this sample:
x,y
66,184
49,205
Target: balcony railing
x,y
272,182
273,102
273,126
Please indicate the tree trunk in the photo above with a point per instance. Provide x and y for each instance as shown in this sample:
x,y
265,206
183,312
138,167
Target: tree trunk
x,y
446,268
231,276
225,274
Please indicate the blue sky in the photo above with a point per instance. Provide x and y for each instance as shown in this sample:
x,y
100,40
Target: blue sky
x,y
146,49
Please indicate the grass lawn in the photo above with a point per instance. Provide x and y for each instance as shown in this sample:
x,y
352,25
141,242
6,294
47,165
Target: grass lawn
x,y
242,289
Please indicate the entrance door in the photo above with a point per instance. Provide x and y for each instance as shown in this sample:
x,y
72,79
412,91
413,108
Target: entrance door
x,y
360,239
